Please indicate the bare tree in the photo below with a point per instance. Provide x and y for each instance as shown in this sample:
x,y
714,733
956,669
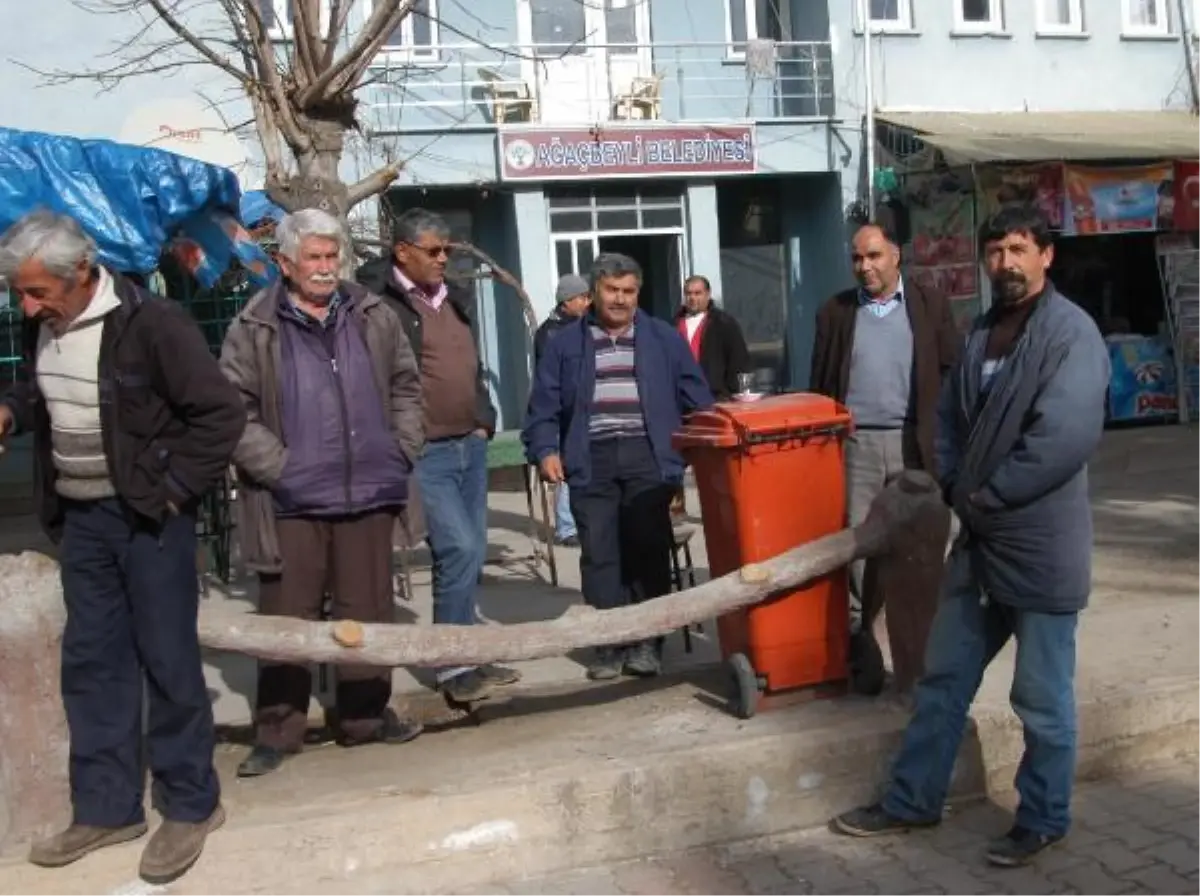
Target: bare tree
x,y
300,77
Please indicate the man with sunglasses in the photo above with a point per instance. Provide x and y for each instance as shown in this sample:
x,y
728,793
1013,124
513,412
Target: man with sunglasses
x,y
459,420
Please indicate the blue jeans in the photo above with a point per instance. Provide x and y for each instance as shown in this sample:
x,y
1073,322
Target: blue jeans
x,y
968,631
564,522
452,476
131,592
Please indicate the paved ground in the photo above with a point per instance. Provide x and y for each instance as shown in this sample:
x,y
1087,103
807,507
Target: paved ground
x,y
1134,835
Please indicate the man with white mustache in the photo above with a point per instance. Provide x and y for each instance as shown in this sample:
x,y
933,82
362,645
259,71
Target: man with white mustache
x,y
333,400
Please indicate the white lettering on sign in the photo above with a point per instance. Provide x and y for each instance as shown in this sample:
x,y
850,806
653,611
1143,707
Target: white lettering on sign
x,y
586,154
189,135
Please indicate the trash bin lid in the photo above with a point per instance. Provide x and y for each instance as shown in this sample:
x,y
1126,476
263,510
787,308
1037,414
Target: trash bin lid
x,y
772,418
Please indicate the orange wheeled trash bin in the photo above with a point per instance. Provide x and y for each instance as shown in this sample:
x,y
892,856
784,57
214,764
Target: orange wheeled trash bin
x,y
770,478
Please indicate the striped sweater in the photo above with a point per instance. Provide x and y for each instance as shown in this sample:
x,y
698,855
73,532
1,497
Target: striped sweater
x,y
616,408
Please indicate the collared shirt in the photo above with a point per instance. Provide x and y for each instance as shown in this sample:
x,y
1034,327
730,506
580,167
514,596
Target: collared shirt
x,y
882,307
331,313
433,300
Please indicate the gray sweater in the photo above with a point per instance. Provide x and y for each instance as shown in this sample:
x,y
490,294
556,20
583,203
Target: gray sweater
x,y
1023,454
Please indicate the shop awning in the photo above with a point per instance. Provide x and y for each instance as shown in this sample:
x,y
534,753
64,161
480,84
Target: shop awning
x,y
975,137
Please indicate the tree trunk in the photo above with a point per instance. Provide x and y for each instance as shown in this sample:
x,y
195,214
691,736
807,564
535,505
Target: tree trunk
x,y
297,640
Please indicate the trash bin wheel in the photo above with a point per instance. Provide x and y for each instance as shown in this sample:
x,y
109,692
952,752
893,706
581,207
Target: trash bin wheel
x,y
746,686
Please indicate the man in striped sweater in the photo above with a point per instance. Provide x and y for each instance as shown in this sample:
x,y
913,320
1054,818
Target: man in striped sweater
x,y
608,394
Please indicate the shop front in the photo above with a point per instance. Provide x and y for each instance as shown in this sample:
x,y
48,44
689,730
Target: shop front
x,y
1124,212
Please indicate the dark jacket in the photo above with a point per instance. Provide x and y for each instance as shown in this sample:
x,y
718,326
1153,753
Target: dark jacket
x,y
723,352
551,325
168,418
670,385
252,359
936,345
342,457
378,277
1014,462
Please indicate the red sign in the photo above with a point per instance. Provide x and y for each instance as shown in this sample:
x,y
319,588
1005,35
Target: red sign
x,y
626,151
1187,195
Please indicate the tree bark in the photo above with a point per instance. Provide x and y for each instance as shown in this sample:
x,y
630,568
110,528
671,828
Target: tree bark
x,y
296,640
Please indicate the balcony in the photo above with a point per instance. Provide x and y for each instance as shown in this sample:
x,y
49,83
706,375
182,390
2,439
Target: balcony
x,y
467,86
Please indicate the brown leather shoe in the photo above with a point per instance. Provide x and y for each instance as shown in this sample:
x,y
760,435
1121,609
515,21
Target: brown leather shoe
x,y
78,840
175,847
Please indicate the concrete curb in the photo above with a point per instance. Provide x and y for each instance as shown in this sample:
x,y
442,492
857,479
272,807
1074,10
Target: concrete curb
x,y
776,778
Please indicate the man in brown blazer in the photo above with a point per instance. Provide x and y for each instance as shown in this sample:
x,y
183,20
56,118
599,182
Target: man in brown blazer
x,y
882,349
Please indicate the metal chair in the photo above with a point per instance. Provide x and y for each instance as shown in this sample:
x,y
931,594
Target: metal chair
x,y
682,569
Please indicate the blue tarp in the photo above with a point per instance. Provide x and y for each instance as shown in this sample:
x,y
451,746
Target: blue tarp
x,y
130,199
257,207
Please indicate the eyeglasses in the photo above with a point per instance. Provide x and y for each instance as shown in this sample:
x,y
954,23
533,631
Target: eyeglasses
x,y
432,251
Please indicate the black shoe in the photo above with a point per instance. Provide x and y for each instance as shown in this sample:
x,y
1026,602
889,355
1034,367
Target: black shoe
x,y
467,687
261,761
1019,847
607,664
868,674
394,730
642,660
570,541
499,675
873,820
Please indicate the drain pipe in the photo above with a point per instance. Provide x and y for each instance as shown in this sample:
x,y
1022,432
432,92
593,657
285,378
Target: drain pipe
x,y
1186,31
864,18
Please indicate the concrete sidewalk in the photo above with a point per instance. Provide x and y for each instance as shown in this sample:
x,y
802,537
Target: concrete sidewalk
x,y
566,774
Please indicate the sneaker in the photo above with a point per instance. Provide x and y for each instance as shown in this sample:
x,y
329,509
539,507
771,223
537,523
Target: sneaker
x,y
176,846
499,675
394,730
873,821
1019,847
262,761
467,687
607,664
642,660
75,842
567,541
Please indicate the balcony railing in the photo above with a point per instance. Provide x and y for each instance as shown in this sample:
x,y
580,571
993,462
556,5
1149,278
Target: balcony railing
x,y
471,85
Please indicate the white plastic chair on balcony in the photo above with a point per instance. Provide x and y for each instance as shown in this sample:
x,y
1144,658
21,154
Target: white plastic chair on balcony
x,y
511,99
644,97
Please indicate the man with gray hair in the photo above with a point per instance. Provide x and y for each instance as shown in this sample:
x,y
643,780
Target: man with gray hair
x,y
609,393
333,399
459,421
132,423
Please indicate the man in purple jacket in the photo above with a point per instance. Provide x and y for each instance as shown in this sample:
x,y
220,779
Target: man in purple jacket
x,y
333,431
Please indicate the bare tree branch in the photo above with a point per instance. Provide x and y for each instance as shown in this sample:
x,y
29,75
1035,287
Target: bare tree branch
x,y
343,74
375,182
168,18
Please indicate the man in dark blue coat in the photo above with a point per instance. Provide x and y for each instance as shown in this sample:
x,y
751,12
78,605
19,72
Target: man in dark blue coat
x,y
1019,418
609,392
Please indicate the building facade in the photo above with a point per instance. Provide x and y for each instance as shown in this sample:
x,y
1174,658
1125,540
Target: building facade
x,y
716,137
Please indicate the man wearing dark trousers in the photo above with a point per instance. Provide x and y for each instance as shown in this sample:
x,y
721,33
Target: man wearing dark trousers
x,y
882,350
132,423
609,392
334,403
714,337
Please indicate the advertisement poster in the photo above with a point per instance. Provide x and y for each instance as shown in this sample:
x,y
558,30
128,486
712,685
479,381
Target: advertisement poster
x,y
1117,200
1040,185
1187,196
1143,379
942,254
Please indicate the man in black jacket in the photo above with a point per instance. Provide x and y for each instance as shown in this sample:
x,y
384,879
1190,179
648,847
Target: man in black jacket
x,y
132,423
714,336
451,474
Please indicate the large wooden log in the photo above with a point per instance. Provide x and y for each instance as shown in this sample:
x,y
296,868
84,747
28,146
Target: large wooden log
x,y
296,640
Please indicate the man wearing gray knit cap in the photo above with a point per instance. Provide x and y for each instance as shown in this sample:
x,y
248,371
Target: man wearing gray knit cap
x,y
572,297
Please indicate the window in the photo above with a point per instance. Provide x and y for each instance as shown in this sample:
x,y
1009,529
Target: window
x,y
890,15
750,20
1145,17
277,14
559,27
417,34
978,16
1059,17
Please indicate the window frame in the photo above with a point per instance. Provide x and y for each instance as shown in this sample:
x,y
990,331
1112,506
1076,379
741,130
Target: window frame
x,y
995,25
283,13
750,14
407,50
903,21
1129,28
1072,28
